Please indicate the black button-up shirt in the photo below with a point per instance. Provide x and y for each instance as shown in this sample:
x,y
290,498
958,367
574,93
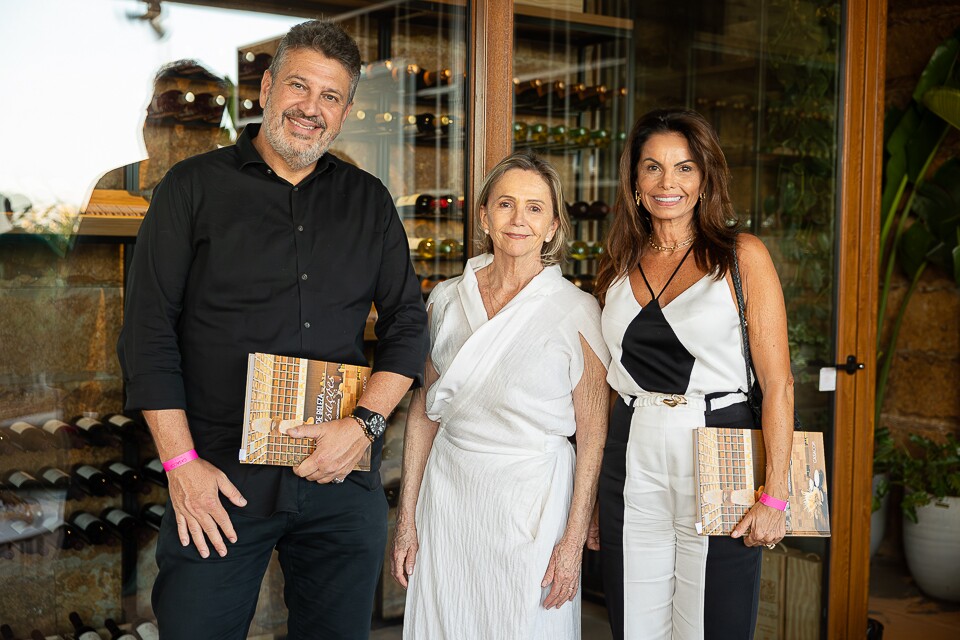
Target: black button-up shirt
x,y
231,259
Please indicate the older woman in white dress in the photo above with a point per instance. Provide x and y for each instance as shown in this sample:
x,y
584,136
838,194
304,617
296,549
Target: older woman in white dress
x,y
495,504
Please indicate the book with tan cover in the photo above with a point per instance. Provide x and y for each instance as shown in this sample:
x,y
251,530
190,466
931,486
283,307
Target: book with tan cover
x,y
283,392
730,470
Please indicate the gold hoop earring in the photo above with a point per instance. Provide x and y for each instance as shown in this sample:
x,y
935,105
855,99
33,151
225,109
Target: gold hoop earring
x,y
636,196
702,196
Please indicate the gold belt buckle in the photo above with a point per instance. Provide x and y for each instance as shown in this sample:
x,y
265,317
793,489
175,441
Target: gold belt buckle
x,y
674,399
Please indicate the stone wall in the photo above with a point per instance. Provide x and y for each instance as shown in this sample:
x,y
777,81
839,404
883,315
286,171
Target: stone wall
x,y
922,392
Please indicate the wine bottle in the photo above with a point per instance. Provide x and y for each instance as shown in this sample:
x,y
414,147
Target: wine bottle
x,y
526,93
579,250
147,630
92,430
63,434
427,79
598,210
519,132
152,470
448,125
63,536
125,428
557,135
6,632
422,204
121,521
427,249
91,480
116,633
167,104
426,123
592,97
578,210
91,528
537,133
21,480
31,438
551,93
56,478
123,476
578,136
401,73
600,138
82,631
378,69
450,248
7,445
152,514
388,121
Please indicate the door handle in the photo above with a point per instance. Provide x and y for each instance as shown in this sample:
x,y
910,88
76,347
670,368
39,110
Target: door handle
x,y
851,366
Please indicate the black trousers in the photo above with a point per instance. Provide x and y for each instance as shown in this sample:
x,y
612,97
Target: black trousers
x,y
331,554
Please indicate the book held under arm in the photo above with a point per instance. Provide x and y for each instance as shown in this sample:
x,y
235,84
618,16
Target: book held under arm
x,y
283,392
730,473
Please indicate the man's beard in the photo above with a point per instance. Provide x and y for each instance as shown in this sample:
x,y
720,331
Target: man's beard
x,y
296,156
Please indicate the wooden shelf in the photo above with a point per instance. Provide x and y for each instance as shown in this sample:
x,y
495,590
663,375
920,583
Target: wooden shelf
x,y
109,213
112,213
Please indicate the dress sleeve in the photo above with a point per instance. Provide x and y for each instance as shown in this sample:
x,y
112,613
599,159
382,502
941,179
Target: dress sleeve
x,y
148,347
585,321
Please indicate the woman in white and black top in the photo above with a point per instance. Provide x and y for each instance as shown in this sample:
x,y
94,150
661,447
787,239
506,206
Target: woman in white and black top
x,y
671,323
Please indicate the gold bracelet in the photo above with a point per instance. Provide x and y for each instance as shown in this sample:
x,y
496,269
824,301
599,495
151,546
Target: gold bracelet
x,y
363,427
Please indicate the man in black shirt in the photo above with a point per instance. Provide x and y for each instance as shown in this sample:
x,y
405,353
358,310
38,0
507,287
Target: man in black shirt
x,y
272,245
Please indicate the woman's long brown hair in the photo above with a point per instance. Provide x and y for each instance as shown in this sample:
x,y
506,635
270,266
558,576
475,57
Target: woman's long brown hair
x,y
714,220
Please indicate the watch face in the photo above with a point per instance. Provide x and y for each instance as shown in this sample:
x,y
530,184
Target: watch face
x,y
376,425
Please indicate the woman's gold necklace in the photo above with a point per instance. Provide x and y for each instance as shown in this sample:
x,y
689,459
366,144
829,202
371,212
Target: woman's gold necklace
x,y
674,247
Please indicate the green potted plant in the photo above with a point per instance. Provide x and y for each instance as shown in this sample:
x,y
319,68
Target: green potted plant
x,y
929,472
920,223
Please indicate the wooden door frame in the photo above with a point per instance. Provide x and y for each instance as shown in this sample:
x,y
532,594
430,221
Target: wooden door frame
x,y
860,173
489,99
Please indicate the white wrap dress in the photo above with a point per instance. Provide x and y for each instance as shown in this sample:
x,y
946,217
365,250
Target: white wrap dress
x,y
498,482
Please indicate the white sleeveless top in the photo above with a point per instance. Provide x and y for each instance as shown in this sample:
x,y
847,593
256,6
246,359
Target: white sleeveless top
x,y
706,324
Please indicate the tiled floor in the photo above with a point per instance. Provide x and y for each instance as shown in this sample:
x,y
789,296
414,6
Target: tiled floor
x,y
905,612
595,626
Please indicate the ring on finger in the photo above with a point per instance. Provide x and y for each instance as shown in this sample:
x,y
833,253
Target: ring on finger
x,y
337,480
771,546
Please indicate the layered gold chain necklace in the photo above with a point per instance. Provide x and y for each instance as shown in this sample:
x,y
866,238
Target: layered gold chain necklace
x,y
670,247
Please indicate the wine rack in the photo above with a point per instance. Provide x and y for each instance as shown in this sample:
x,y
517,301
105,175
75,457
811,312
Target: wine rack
x,y
75,510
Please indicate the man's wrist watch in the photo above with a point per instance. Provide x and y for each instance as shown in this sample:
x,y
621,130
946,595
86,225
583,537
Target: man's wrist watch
x,y
372,423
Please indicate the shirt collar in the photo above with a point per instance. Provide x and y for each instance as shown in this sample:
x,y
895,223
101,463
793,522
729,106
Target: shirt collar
x,y
248,154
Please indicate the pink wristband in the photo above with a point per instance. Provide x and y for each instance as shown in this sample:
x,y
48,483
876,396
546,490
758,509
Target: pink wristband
x,y
183,459
773,503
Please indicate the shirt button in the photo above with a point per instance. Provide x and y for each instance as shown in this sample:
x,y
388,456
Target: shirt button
x,y
269,170
306,325
296,188
303,276
300,227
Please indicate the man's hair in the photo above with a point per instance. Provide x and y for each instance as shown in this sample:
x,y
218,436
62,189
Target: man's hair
x,y
326,37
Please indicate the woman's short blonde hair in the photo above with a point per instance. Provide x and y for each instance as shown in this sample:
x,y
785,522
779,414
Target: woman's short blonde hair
x,y
553,252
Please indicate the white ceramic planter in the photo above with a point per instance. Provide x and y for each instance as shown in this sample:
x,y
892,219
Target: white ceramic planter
x,y
878,519
932,548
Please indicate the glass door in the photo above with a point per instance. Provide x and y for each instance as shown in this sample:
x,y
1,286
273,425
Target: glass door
x,y
766,74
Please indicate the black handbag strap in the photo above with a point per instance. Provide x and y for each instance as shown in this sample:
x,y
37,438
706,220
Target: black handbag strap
x,y
744,337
